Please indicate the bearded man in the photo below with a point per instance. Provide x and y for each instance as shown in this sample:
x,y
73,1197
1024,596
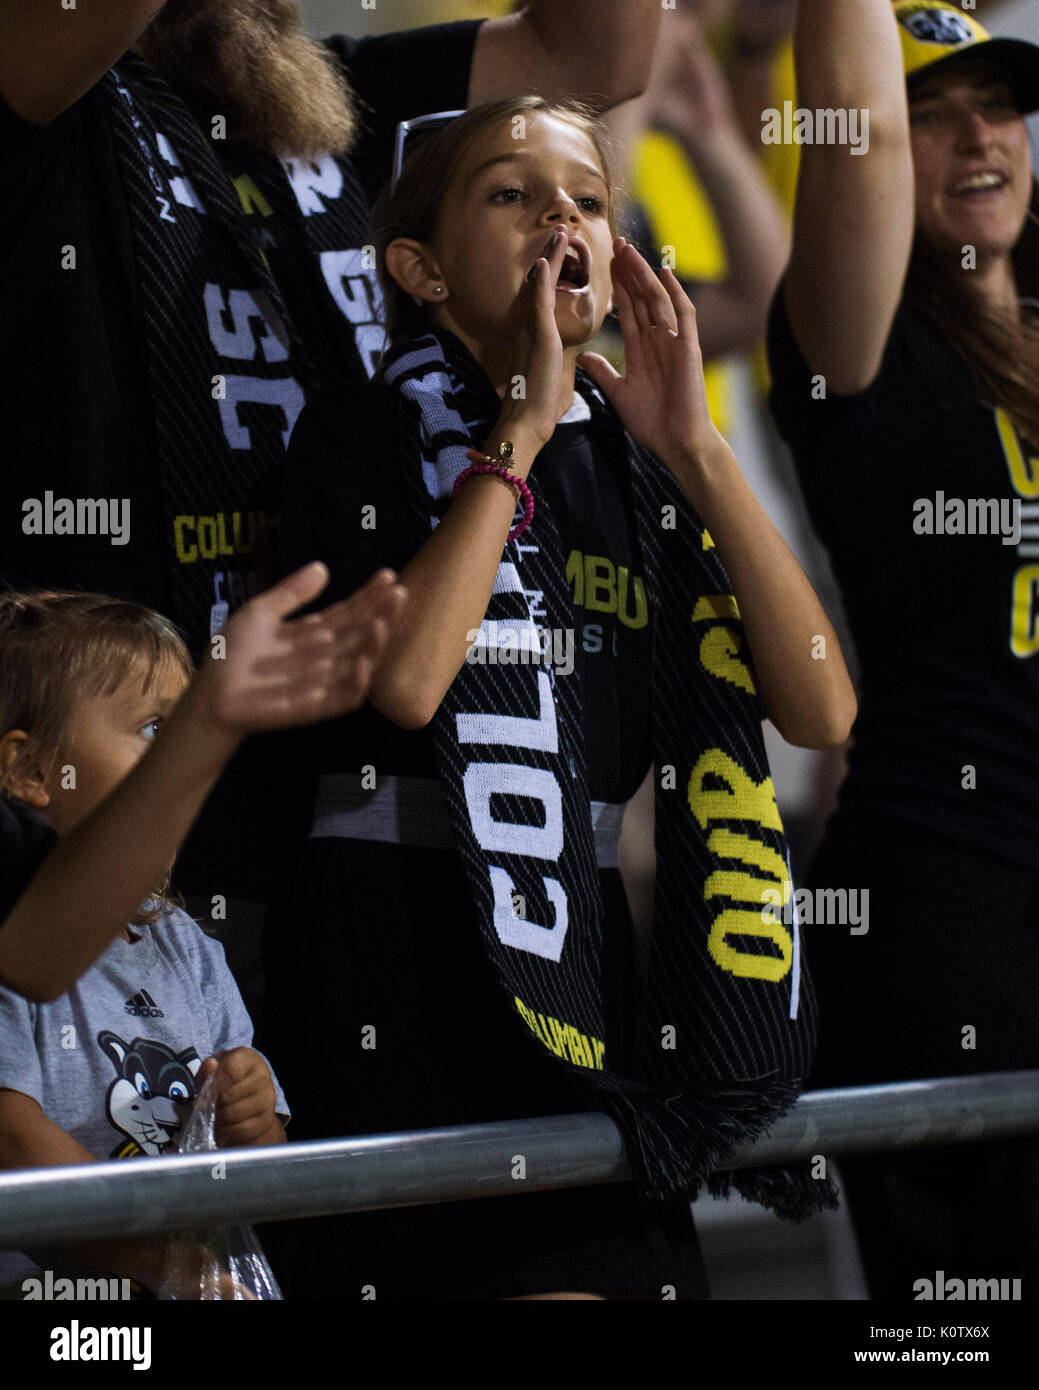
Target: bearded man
x,y
185,256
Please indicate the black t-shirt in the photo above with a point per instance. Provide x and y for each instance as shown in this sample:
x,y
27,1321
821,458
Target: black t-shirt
x,y
78,416
593,509
25,840
324,518
946,625
410,954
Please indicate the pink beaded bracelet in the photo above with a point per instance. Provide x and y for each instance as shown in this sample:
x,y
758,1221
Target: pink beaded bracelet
x,y
483,463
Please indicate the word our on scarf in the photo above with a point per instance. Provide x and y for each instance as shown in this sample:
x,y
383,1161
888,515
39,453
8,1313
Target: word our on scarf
x,y
742,799
77,516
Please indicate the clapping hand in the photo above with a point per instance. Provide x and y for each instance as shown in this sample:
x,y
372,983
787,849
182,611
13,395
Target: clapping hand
x,y
272,673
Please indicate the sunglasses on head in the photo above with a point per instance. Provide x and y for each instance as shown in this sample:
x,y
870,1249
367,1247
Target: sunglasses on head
x,y
412,130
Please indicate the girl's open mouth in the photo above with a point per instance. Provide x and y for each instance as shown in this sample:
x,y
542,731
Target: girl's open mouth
x,y
573,273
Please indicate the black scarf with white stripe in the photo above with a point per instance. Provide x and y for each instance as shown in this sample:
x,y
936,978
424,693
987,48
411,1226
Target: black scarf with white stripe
x,y
727,1036
229,373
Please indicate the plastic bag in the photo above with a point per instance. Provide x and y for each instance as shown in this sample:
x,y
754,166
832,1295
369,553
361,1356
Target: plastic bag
x,y
223,1264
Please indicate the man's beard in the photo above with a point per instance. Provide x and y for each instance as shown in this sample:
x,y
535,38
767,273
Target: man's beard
x,y
279,90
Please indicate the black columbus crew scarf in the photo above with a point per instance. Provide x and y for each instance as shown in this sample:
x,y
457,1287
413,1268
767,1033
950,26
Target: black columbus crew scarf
x,y
213,312
728,1031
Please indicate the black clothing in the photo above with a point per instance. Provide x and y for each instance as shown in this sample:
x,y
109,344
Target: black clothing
x,y
952,946
449,1049
25,841
446,1051
79,409
324,518
946,626
72,359
938,818
612,646
952,943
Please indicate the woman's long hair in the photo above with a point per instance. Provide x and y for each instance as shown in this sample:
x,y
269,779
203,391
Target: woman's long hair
x,y
1001,351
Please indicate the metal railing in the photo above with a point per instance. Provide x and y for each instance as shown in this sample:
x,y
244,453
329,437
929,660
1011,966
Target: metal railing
x,y
54,1206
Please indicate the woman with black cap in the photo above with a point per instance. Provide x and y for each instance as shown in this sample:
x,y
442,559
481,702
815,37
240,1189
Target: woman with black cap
x,y
904,346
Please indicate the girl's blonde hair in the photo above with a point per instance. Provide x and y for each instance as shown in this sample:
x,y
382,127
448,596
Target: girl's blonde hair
x,y
59,648
413,208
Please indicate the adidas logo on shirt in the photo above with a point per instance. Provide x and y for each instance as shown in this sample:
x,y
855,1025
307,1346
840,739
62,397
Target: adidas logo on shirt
x,y
142,1005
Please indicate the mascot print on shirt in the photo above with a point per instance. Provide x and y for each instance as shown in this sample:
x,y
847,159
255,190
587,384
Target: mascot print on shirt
x,y
148,1100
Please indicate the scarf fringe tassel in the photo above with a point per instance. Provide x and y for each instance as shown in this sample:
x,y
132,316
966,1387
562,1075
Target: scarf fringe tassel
x,y
677,1142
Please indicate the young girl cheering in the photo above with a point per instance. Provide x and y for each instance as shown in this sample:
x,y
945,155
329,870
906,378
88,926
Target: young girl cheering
x,y
460,947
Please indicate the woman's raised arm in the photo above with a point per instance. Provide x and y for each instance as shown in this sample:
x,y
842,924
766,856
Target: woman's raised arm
x,y
853,222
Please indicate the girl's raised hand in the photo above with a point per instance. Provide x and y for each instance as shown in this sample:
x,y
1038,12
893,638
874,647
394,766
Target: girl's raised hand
x,y
661,399
538,356
271,673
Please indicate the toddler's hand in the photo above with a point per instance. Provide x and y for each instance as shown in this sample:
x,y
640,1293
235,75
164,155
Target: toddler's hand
x,y
271,673
245,1098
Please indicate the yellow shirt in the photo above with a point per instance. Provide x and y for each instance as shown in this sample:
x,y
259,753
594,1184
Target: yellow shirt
x,y
666,186
685,231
